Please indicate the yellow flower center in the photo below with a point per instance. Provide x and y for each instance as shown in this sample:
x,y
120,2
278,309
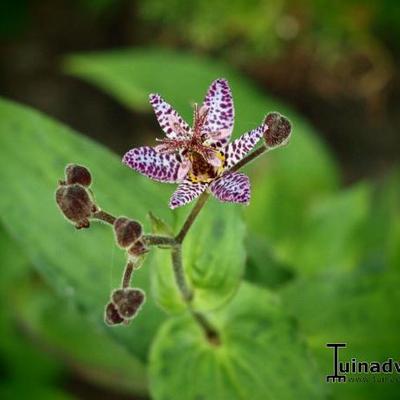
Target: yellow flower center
x,y
201,170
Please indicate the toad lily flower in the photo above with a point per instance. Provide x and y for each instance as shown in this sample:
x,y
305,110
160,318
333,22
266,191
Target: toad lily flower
x,y
200,157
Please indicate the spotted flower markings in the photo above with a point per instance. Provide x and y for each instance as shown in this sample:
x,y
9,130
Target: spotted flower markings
x,y
200,157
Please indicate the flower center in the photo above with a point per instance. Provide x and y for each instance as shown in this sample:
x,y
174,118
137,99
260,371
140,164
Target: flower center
x,y
201,170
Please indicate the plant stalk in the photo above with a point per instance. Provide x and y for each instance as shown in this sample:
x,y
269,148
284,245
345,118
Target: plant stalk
x,y
192,217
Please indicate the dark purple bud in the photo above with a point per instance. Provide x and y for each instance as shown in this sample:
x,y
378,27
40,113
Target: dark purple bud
x,y
279,130
75,203
138,248
128,301
77,174
111,315
127,231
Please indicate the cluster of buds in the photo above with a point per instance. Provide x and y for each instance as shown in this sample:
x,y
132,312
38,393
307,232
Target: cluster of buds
x,y
124,305
279,130
126,301
75,200
73,196
128,234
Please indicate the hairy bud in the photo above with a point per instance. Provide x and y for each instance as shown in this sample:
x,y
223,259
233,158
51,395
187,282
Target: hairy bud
x,y
111,315
279,130
127,231
75,203
138,248
77,174
128,301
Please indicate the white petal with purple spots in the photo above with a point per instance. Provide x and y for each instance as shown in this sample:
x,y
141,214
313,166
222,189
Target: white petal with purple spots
x,y
170,121
157,166
237,149
186,192
221,113
232,187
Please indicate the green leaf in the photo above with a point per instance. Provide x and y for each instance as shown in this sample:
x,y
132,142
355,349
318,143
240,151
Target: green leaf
x,y
159,226
379,234
213,258
59,327
260,355
285,183
262,267
51,323
20,359
354,307
83,266
329,237
357,305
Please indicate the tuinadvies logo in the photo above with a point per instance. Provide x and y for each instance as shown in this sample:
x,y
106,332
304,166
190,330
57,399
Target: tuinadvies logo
x,y
354,366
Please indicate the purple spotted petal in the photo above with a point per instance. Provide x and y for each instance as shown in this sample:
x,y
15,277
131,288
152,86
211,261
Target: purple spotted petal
x,y
237,149
170,121
157,166
186,192
233,187
221,113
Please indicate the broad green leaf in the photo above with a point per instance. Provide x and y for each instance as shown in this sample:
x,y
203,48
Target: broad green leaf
x,y
213,258
20,360
260,355
284,183
262,267
83,266
328,239
53,324
379,235
357,308
88,351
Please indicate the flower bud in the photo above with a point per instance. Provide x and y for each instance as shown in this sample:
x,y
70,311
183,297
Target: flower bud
x,y
128,301
111,315
279,130
75,203
138,248
127,231
77,174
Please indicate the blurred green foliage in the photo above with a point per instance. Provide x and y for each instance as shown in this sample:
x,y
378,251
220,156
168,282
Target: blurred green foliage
x,y
260,28
323,261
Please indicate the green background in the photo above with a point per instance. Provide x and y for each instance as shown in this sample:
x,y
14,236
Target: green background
x,y
314,259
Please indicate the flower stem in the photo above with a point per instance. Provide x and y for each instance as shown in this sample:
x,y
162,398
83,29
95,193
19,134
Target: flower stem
x,y
155,240
104,216
211,333
126,279
192,217
180,278
249,158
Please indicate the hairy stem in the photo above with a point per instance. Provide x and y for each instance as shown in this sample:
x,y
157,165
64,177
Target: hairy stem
x,y
104,216
250,157
192,217
126,279
180,277
155,240
211,333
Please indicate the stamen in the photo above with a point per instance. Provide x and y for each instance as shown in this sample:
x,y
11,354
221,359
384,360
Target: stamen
x,y
200,117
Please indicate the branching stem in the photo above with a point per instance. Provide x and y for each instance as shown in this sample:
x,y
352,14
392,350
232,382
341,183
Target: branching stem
x,y
180,278
175,244
154,240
